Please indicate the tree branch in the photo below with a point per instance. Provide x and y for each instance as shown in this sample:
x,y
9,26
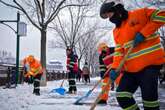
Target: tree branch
x,y
9,5
37,12
23,10
54,14
73,5
40,11
43,8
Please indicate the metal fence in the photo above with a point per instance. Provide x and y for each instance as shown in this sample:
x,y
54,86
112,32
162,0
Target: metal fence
x,y
8,75
56,75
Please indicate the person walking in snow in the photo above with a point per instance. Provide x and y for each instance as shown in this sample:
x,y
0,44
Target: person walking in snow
x,y
138,28
34,72
72,69
86,73
79,74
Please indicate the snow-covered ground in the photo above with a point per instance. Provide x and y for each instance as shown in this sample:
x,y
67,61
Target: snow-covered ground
x,y
22,98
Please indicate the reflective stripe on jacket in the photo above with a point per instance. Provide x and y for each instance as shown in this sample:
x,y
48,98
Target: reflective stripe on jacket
x,y
72,62
34,68
149,52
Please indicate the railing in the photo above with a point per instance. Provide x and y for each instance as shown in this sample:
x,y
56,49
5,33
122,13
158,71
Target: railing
x,y
56,75
8,75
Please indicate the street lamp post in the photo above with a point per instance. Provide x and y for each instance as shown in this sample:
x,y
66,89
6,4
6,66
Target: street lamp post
x,y
18,31
17,48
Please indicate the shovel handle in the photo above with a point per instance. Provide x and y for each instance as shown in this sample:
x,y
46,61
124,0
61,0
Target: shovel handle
x,y
101,79
124,59
62,82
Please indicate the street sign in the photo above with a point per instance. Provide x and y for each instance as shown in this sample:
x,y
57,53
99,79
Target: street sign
x,y
22,29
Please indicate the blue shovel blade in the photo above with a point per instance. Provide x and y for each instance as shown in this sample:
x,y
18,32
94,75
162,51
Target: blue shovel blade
x,y
60,91
81,98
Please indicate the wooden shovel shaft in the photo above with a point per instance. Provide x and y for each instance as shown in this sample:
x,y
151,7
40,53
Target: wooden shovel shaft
x,y
100,79
117,71
125,58
90,91
107,71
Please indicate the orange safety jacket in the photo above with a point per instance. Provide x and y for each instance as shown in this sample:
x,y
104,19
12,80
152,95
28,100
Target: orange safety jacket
x,y
149,52
34,68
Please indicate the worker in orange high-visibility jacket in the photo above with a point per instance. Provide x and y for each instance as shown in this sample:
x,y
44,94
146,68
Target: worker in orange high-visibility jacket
x,y
141,68
33,71
105,61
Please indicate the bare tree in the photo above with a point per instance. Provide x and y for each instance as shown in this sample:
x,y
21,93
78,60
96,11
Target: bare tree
x,y
82,45
72,29
68,28
40,13
90,52
79,31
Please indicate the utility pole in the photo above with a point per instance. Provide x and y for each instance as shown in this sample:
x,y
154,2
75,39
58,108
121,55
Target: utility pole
x,y
17,48
20,31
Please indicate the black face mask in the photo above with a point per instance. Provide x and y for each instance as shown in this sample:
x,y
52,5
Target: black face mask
x,y
120,14
116,19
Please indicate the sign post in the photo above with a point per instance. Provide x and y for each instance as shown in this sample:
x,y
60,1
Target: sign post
x,y
21,31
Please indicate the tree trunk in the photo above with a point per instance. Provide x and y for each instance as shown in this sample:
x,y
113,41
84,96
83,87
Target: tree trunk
x,y
43,56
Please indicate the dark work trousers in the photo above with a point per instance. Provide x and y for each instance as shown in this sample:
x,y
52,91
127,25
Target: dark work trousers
x,y
36,89
72,82
86,78
147,80
78,77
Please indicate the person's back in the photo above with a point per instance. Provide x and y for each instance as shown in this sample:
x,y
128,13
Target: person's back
x,y
85,70
86,73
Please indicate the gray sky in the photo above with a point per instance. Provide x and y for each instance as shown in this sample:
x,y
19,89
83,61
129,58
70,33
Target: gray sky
x,y
29,44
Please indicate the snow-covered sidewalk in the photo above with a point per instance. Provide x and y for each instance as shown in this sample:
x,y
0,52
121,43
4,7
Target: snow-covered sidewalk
x,y
22,98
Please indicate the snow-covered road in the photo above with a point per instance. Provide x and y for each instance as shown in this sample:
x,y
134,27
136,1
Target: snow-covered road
x,y
22,98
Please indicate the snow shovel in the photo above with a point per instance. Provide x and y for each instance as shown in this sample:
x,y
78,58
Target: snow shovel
x,y
59,90
90,91
117,71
